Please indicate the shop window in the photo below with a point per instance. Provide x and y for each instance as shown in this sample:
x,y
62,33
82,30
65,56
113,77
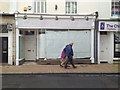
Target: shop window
x,y
3,29
115,12
71,7
117,45
39,6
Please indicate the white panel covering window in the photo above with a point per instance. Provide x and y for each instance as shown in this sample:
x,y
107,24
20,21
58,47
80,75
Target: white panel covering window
x,y
115,8
57,40
71,7
39,6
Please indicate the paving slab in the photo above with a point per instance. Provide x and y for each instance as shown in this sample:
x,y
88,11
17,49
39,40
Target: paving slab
x,y
41,69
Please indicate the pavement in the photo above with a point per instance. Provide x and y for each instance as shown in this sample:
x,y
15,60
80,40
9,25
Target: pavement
x,y
33,68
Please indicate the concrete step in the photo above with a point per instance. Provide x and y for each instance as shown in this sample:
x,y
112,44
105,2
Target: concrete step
x,y
76,61
29,63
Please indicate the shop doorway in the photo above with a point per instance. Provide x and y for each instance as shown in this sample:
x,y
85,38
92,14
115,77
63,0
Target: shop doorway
x,y
4,49
30,45
104,46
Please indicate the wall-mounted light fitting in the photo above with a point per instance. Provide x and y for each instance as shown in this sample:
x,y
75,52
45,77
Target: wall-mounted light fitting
x,y
56,7
56,18
86,18
96,14
25,16
41,18
72,18
25,8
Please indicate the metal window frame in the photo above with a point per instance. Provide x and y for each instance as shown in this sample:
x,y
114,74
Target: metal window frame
x,y
38,6
113,4
73,7
3,26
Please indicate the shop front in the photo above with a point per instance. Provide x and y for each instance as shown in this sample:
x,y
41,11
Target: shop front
x,y
45,38
108,41
6,38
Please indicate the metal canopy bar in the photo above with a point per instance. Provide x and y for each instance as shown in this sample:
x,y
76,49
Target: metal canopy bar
x,y
59,16
93,14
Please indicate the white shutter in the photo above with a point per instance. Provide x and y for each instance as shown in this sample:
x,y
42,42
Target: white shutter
x,y
57,40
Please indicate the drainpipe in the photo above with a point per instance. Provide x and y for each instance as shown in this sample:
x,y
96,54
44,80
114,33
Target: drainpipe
x,y
96,39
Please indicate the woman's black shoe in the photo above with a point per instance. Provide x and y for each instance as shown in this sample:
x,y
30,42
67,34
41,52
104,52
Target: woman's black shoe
x,y
61,65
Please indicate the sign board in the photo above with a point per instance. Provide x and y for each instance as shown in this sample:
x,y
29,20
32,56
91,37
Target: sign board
x,y
109,26
25,8
29,7
9,27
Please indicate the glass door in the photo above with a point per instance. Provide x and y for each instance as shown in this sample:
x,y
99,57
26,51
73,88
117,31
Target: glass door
x,y
4,50
117,45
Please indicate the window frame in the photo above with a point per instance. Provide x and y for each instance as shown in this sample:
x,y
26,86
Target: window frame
x,y
113,6
116,43
38,6
3,28
71,7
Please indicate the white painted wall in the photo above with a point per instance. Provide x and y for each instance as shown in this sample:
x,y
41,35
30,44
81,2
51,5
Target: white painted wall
x,y
25,3
104,10
51,6
83,7
10,48
4,6
13,6
17,45
86,6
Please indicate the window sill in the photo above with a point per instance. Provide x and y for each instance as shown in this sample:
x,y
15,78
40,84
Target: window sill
x,y
116,58
115,17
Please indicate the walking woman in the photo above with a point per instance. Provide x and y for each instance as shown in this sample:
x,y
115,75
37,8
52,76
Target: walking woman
x,y
63,56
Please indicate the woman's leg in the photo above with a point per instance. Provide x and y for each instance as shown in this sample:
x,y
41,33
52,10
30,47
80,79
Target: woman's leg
x,y
61,62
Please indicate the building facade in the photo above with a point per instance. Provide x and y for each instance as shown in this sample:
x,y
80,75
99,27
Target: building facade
x,y
43,27
109,35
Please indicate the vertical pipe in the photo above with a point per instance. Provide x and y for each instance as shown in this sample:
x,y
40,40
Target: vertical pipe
x,y
98,47
96,44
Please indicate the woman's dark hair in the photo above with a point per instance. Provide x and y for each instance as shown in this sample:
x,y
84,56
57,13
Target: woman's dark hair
x,y
66,45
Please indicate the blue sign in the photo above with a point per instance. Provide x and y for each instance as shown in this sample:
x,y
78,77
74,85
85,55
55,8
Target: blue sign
x,y
102,26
